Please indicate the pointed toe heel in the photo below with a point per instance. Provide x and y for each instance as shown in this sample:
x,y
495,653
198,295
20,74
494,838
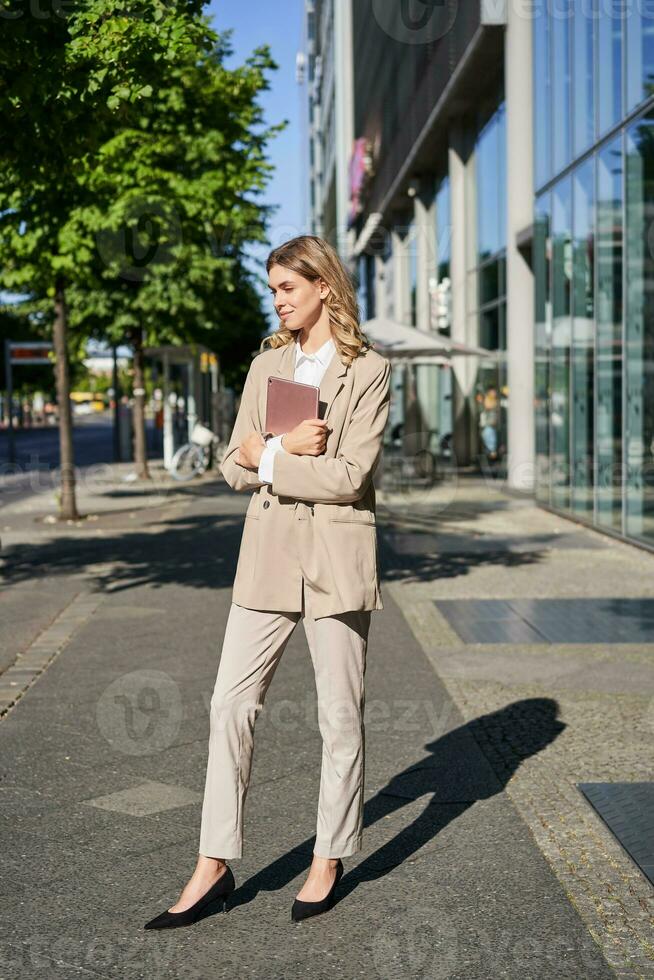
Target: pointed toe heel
x,y
304,910
214,900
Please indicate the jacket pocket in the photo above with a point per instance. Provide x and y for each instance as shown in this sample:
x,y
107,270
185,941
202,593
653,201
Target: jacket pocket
x,y
253,506
349,514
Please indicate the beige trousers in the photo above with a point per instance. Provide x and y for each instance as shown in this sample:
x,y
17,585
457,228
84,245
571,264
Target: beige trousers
x,y
252,648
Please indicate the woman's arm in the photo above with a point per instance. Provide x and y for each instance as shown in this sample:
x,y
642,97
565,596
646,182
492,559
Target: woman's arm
x,y
345,478
237,476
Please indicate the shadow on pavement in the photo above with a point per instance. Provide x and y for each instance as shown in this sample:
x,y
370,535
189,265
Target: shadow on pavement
x,y
472,762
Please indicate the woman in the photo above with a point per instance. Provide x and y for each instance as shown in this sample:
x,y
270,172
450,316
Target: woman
x,y
309,549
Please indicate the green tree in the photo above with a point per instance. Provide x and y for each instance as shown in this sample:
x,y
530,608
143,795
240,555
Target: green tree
x,y
77,83
170,209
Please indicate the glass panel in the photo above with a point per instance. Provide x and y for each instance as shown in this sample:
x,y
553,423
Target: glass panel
x,y
443,228
640,52
561,21
584,128
442,300
501,176
609,62
501,326
366,286
489,285
561,338
583,340
412,247
542,95
491,184
370,286
542,341
639,409
490,386
609,336
489,328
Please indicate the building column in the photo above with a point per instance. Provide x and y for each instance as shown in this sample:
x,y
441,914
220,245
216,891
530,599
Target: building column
x,y
519,276
401,270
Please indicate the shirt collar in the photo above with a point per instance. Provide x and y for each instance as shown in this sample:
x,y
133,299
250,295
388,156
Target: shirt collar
x,y
323,354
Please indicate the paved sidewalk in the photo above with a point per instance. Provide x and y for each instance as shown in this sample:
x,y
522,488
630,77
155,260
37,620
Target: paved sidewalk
x,y
466,557
104,760
107,500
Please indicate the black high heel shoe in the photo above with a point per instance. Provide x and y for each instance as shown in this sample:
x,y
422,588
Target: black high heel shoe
x,y
212,901
303,910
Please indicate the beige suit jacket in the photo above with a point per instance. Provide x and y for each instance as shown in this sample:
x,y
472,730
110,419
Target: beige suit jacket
x,y
313,528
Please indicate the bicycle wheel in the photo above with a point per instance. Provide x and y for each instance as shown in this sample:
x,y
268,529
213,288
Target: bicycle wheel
x,y
187,462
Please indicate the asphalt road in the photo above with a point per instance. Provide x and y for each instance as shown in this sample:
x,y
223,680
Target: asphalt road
x,y
38,459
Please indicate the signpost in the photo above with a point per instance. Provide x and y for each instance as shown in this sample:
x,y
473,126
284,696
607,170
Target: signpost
x,y
21,352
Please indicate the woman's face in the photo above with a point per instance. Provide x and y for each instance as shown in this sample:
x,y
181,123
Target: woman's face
x,y
297,300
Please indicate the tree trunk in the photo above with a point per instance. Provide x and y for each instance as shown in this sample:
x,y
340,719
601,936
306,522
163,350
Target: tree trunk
x,y
140,447
67,503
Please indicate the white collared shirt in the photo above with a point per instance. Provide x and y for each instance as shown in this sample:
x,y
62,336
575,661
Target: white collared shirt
x,y
309,369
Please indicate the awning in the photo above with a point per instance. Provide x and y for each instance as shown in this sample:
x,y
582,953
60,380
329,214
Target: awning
x,y
395,340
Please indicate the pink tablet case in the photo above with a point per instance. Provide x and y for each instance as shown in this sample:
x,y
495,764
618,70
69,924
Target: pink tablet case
x,y
288,403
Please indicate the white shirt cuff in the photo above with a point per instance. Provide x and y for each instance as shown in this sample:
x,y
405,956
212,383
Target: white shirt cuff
x,y
273,445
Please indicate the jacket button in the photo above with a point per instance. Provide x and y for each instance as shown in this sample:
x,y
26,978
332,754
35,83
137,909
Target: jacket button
x,y
266,503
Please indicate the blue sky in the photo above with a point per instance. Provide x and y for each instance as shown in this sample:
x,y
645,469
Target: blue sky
x,y
279,25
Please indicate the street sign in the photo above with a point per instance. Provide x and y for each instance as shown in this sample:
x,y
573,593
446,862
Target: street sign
x,y
29,352
20,352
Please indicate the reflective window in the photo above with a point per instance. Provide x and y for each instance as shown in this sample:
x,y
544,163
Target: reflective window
x,y
443,228
412,249
609,62
542,95
366,286
583,339
491,185
561,23
542,342
561,343
442,292
489,279
640,52
639,329
584,103
609,335
593,263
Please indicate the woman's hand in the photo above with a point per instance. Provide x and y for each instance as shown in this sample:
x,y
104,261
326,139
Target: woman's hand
x,y
249,452
309,438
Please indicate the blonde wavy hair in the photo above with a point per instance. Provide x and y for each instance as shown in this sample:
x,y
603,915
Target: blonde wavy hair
x,y
314,258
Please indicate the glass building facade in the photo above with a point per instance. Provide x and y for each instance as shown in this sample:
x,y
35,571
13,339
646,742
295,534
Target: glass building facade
x,y
441,291
593,255
488,280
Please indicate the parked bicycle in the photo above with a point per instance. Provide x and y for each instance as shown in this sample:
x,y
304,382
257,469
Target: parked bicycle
x,y
197,456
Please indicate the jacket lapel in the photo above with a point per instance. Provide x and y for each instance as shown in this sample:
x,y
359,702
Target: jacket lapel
x,y
332,379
